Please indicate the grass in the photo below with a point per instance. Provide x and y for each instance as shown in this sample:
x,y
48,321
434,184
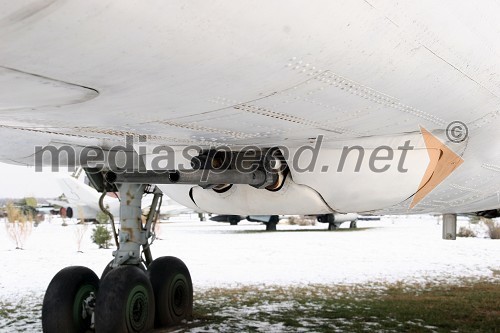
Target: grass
x,y
474,307
21,315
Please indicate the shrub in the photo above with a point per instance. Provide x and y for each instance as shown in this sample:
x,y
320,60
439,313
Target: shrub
x,y
101,236
493,229
466,232
302,220
102,217
474,219
19,225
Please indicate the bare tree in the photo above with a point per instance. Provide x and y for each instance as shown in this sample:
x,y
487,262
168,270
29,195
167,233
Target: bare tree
x,y
81,230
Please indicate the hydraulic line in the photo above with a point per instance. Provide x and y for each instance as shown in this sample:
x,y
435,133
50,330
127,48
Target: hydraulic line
x,y
108,213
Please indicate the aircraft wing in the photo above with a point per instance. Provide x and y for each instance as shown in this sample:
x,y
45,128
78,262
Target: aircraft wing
x,y
369,74
58,203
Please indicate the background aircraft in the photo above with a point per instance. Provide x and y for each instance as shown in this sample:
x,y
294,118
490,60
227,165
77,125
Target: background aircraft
x,y
83,201
334,220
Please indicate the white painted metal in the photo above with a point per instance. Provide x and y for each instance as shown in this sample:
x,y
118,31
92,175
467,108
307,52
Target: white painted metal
x,y
450,226
247,200
268,73
345,217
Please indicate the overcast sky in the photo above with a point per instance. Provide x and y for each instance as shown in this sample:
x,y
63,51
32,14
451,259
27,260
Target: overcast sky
x,y
20,182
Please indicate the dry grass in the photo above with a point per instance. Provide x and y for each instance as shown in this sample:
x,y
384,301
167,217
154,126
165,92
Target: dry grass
x,y
302,220
18,225
493,229
473,306
466,232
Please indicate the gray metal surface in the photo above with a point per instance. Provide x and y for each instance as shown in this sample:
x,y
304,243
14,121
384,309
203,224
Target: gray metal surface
x,y
131,235
450,226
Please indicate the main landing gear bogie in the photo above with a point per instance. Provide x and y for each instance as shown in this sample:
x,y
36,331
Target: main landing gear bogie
x,y
135,292
126,299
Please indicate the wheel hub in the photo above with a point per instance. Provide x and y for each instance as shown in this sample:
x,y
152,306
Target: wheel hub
x,y
179,292
137,308
80,313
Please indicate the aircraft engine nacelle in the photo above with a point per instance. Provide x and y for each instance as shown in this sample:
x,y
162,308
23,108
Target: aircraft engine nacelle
x,y
66,212
291,198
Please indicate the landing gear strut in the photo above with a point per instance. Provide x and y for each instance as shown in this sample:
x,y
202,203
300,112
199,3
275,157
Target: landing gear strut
x,y
271,225
335,220
333,226
128,298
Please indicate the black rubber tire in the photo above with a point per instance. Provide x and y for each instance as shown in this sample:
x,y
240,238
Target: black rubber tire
x,y
273,221
173,290
270,226
353,225
125,302
333,226
69,212
62,303
234,219
108,269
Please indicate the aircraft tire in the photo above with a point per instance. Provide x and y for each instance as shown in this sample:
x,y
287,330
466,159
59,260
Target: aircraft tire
x,y
353,225
270,226
333,226
273,221
63,301
125,302
173,290
109,269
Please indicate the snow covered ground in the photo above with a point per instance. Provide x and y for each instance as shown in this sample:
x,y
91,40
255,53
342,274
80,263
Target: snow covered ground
x,y
408,249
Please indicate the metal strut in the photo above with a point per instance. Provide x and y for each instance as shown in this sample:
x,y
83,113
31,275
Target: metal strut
x,y
133,234
256,178
153,216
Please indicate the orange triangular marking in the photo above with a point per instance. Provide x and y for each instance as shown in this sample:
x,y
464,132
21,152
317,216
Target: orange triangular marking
x,y
443,161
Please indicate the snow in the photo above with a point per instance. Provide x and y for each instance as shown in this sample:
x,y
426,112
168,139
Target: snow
x,y
408,249
390,250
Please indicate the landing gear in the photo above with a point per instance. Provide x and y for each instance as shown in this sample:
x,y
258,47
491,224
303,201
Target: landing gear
x,y
129,297
109,267
335,220
234,219
333,226
271,225
125,302
68,301
353,225
329,218
173,291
